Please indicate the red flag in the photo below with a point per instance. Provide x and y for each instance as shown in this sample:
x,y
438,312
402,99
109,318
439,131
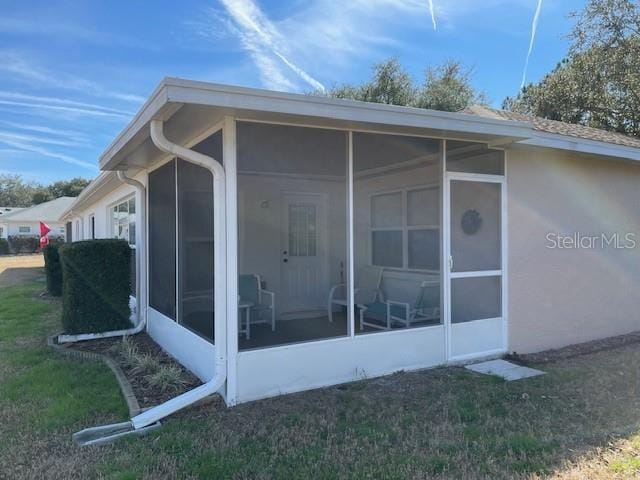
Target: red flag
x,y
44,241
44,229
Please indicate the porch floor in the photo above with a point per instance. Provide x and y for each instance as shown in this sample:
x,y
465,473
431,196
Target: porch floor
x,y
304,330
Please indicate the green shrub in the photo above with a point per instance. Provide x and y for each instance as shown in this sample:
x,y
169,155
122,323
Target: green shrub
x,y
53,269
24,243
95,286
4,246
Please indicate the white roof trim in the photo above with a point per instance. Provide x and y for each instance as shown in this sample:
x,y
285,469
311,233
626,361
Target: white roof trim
x,y
582,145
174,92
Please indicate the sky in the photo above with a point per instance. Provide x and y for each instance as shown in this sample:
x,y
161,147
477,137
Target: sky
x,y
73,74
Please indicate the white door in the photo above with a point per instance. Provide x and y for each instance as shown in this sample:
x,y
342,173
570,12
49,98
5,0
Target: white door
x,y
476,318
303,255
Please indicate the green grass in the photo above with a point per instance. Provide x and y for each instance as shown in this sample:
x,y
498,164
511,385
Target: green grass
x,y
578,421
43,390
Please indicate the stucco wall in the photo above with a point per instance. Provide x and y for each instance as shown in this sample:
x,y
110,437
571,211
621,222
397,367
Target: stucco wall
x,y
559,297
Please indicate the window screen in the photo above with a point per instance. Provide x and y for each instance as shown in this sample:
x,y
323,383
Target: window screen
x,y
162,240
195,249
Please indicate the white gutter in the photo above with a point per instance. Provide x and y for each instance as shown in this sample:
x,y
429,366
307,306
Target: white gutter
x,y
149,419
220,325
141,316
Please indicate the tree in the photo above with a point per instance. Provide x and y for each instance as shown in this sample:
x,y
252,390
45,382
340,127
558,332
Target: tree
x,y
598,83
15,192
68,188
446,87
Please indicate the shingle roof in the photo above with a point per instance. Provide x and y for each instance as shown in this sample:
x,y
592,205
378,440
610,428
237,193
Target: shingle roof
x,y
556,127
8,210
45,212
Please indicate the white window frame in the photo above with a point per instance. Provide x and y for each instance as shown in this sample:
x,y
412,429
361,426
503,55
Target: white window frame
x,y
111,223
21,227
404,227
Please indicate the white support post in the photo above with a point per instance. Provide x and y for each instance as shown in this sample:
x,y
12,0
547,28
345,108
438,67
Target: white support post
x,y
229,157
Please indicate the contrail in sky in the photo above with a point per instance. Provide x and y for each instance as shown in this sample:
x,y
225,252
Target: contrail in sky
x,y
433,14
534,28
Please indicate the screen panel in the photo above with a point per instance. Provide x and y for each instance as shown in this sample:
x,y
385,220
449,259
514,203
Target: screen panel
x,y
162,239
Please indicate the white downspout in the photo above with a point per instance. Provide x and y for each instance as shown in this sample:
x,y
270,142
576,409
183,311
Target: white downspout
x,y
141,313
220,323
150,418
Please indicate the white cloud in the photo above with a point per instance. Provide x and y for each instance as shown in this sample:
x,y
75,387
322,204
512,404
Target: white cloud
x,y
534,29
433,15
44,129
27,147
20,137
16,64
262,39
73,110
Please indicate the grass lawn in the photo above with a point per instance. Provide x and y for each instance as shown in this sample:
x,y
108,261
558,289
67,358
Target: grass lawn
x,y
581,420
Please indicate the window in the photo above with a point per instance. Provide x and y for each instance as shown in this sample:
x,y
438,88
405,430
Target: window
x,y
92,226
123,221
24,229
405,229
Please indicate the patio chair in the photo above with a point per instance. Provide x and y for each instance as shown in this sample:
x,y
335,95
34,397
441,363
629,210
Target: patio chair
x,y
366,291
403,314
253,297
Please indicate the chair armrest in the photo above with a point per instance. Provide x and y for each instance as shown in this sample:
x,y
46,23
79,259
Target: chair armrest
x,y
270,294
334,288
406,306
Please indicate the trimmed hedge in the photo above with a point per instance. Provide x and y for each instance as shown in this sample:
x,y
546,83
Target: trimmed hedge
x,y
95,286
53,269
4,246
24,243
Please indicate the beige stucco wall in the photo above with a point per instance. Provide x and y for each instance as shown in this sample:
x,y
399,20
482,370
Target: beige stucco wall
x,y
559,297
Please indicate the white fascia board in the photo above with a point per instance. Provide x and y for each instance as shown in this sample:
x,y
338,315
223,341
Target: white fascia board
x,y
581,145
94,188
242,98
172,92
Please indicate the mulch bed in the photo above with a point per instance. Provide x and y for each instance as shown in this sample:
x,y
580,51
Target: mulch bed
x,y
147,394
577,350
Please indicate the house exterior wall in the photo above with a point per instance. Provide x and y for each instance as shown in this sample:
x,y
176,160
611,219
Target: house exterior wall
x,y
100,208
563,296
10,229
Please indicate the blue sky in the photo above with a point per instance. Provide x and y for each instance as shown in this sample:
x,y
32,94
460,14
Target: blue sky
x,y
73,73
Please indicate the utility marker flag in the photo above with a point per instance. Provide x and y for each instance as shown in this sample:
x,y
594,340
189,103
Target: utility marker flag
x,y
44,234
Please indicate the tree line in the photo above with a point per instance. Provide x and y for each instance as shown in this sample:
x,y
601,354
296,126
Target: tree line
x,y
597,84
16,192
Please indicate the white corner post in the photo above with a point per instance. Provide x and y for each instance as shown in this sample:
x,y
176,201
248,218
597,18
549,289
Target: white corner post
x,y
229,156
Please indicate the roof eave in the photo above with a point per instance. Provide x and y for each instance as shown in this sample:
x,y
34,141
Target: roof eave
x,y
581,145
173,93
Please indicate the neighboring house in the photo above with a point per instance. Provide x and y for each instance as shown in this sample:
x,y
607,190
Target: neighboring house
x,y
25,222
288,242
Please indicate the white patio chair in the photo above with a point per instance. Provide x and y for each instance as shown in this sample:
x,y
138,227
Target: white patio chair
x,y
251,295
426,307
367,290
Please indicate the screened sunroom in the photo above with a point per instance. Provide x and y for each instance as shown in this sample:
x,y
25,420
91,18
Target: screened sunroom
x,y
297,242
